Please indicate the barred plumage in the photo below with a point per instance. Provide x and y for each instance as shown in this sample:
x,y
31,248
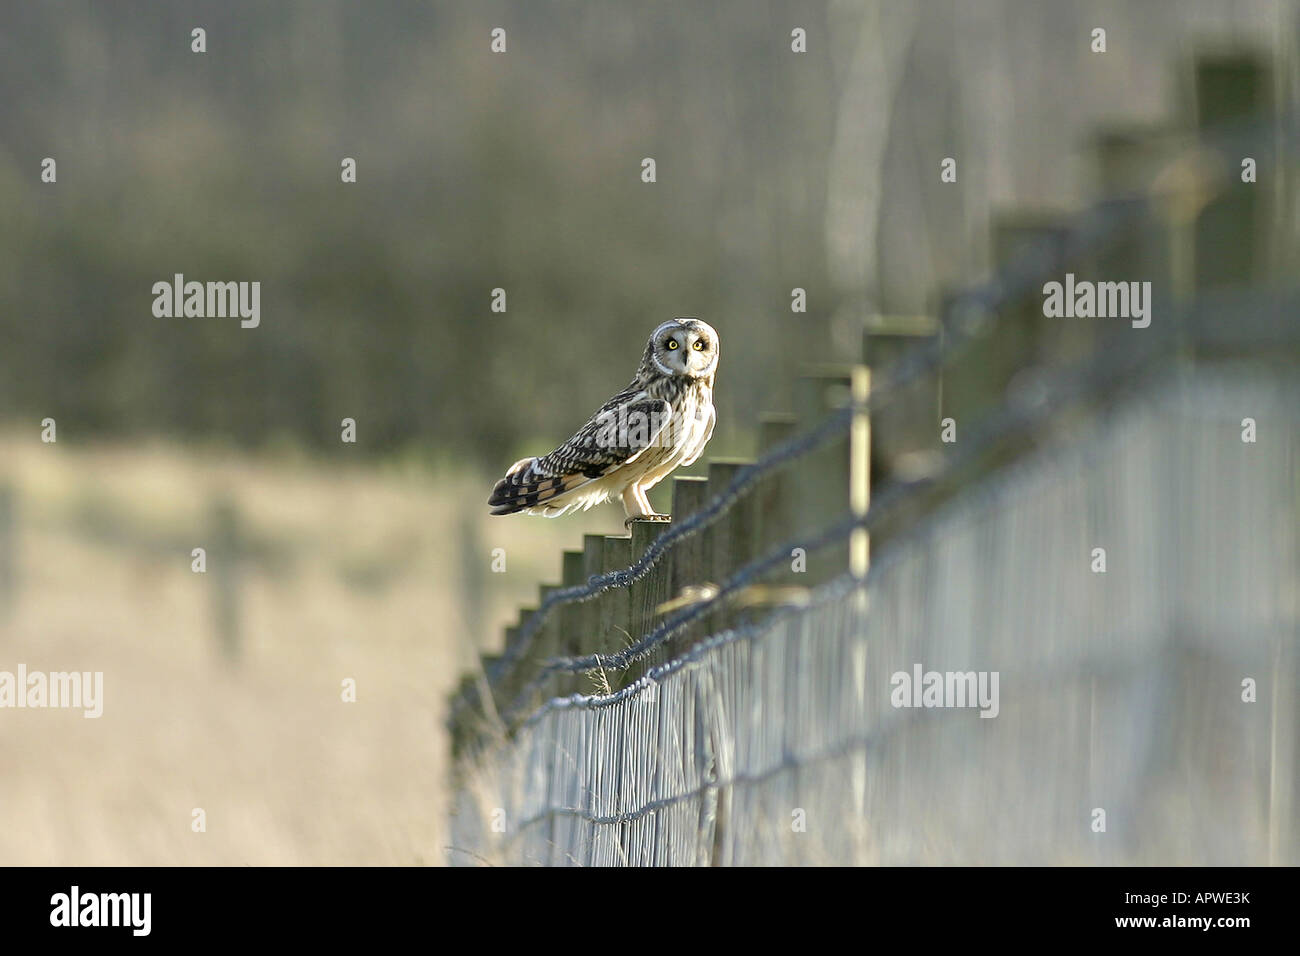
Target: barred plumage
x,y
660,421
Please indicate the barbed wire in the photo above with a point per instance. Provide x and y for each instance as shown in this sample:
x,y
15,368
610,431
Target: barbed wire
x,y
776,697
1079,381
824,594
970,313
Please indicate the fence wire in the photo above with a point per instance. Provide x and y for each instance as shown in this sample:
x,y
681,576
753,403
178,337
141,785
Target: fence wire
x,y
1124,724
1120,692
971,314
1070,386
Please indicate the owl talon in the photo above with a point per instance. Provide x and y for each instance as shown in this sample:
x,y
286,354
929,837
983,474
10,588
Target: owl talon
x,y
650,517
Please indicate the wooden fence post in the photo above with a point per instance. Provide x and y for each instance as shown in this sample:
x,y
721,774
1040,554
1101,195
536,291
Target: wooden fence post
x,y
1232,231
772,498
859,468
648,594
615,612
586,639
1157,247
823,479
546,645
689,568
572,618
511,683
732,542
905,429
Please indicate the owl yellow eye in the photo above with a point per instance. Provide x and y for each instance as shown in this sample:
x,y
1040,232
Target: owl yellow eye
x,y
672,345
698,345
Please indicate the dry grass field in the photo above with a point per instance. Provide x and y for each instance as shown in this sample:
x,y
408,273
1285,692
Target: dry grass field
x,y
350,572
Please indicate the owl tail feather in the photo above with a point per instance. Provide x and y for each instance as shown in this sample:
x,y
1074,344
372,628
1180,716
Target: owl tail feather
x,y
523,488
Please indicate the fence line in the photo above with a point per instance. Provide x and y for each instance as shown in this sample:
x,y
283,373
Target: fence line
x,y
974,309
682,765
971,313
1105,371
773,740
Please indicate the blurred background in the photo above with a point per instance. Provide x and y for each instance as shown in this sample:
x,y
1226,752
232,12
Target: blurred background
x,y
372,561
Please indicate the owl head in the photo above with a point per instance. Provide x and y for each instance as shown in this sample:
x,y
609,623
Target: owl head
x,y
685,347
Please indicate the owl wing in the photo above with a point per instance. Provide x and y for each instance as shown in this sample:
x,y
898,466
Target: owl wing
x,y
623,428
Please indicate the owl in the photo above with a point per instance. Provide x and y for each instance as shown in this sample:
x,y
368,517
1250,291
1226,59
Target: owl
x,y
662,420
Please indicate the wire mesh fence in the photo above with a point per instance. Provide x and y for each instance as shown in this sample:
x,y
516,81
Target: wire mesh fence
x,y
1076,642
1144,713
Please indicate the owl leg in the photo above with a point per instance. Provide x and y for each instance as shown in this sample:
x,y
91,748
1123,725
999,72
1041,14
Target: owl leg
x,y
637,506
